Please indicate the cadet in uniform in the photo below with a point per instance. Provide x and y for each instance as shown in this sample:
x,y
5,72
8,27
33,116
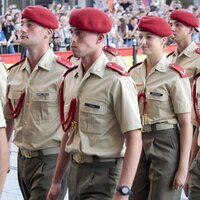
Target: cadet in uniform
x,y
187,53
104,97
194,172
4,151
33,104
165,104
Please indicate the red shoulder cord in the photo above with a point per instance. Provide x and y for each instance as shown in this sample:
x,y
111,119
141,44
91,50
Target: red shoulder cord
x,y
72,110
15,111
194,96
141,96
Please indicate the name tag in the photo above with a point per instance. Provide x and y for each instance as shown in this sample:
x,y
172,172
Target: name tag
x,y
92,105
156,94
42,94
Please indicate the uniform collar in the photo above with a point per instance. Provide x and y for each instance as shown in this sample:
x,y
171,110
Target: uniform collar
x,y
45,62
161,66
97,68
188,51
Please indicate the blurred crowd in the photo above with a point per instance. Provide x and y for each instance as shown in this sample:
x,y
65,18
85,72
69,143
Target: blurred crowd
x,y
125,15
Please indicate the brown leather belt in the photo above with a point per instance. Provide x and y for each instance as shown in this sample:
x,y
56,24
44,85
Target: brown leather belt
x,y
158,127
80,158
30,154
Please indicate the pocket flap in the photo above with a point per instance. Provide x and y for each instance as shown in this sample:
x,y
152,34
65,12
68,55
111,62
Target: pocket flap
x,y
13,94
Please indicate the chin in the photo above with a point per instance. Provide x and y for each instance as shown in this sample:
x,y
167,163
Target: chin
x,y
145,52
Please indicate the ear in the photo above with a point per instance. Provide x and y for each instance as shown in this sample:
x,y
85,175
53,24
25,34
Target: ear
x,y
192,30
100,37
164,40
49,33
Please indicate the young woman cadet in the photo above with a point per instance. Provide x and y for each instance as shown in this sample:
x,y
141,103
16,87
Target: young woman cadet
x,y
164,97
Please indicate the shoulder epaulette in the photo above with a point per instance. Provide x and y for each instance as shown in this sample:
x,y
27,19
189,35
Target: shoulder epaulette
x,y
169,54
197,51
111,50
15,64
179,69
134,66
117,68
70,70
64,62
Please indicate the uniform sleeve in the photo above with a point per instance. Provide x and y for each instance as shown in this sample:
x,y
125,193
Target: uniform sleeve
x,y
3,83
2,119
124,98
180,94
194,121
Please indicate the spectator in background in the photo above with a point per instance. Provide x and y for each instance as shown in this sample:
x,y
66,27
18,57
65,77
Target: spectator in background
x,y
3,41
132,32
8,29
175,4
65,33
196,35
55,40
122,30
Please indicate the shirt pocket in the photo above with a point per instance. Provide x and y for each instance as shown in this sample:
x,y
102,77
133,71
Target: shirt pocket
x,y
45,105
92,116
14,96
157,103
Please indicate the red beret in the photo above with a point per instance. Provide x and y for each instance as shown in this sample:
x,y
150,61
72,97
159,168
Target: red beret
x,y
41,16
155,25
90,19
184,17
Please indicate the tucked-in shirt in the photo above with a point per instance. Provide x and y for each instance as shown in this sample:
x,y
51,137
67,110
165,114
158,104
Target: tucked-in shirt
x,y
167,93
107,108
38,124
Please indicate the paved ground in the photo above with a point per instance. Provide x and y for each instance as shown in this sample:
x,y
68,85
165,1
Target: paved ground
x,y
11,189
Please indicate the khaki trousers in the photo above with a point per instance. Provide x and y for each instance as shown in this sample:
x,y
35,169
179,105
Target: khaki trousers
x,y
93,181
157,166
35,176
194,173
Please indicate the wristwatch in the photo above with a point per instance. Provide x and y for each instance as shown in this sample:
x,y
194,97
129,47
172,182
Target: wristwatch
x,y
124,190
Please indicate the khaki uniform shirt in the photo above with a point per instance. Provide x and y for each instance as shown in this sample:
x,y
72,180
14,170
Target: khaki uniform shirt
x,y
3,82
107,109
188,59
167,94
194,122
38,124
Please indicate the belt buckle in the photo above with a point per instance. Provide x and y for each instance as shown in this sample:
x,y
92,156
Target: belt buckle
x,y
79,158
26,153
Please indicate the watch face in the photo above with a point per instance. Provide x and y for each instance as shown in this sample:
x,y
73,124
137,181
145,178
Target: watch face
x,y
125,190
